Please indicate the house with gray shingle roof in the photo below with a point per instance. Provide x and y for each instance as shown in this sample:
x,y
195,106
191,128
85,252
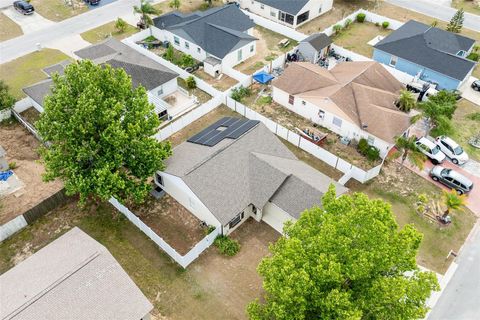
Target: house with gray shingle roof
x,y
292,13
432,54
158,80
219,37
74,277
236,169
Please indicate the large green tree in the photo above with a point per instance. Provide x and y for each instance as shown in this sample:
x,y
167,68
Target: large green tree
x,y
99,131
346,260
6,98
439,110
456,23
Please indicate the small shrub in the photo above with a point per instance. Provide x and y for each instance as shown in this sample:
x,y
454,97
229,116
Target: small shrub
x,y
385,24
474,116
190,82
347,23
474,56
422,198
363,145
264,100
226,245
239,93
361,17
12,165
187,61
373,153
209,229
377,24
120,25
337,28
169,54
204,6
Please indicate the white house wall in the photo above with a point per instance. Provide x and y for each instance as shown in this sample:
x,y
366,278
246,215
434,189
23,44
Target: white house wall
x,y
231,59
166,88
177,188
275,216
310,111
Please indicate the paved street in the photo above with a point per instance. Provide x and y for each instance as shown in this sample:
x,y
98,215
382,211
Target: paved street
x,y
25,44
460,299
438,11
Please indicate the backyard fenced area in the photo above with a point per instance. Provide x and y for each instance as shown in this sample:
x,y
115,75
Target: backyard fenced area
x,y
183,260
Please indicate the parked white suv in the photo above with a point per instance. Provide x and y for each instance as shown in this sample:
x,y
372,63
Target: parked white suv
x,y
431,150
452,149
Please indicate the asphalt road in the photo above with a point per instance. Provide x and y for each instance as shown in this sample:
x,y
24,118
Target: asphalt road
x,y
25,44
430,8
460,300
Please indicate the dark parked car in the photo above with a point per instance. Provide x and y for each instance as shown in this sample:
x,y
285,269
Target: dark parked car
x,y
476,85
92,2
451,179
23,7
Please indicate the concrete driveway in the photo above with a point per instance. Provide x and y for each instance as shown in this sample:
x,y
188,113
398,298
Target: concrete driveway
x,y
468,93
473,199
29,24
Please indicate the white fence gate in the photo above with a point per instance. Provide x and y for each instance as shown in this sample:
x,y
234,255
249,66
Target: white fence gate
x,y
185,260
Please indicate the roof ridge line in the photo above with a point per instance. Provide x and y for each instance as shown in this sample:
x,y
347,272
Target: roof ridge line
x,y
57,282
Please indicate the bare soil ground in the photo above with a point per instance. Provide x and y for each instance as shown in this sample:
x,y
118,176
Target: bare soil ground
x,y
31,115
224,83
172,222
213,287
21,148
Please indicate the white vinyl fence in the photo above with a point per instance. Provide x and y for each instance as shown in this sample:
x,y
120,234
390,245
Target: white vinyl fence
x,y
277,27
185,260
315,150
12,226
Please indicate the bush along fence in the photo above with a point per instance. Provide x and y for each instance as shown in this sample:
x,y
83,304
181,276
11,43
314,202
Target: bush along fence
x,y
349,170
184,260
33,214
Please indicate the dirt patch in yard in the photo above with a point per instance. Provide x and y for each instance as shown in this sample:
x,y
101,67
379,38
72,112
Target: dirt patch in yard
x,y
21,148
172,222
222,83
31,115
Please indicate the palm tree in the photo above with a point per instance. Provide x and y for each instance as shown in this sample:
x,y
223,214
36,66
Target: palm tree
x,y
453,201
408,149
146,9
406,101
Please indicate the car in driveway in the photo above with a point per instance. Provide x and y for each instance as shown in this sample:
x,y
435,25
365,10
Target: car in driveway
x,y
451,179
23,7
431,150
476,85
452,150
92,2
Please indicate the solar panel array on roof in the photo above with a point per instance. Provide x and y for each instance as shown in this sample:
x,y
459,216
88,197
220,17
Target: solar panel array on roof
x,y
231,128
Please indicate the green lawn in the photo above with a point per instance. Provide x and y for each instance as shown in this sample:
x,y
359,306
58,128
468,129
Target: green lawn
x,y
104,31
400,187
465,127
8,28
57,10
27,70
357,36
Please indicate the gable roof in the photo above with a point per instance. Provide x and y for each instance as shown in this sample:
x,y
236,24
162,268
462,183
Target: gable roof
x,y
318,41
74,277
288,6
218,31
252,169
363,92
430,47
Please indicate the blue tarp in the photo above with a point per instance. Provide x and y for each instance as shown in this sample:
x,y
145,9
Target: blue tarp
x,y
4,175
262,77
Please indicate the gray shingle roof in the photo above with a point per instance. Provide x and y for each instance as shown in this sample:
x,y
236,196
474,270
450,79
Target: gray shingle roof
x,y
75,278
218,31
318,41
430,47
57,68
39,91
252,169
289,6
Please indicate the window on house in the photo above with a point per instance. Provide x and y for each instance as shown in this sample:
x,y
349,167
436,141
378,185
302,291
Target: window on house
x,y
320,10
321,114
239,55
304,103
160,91
273,13
163,115
371,140
199,50
159,179
187,45
176,40
252,47
262,6
291,99
337,121
285,17
235,220
393,61
303,17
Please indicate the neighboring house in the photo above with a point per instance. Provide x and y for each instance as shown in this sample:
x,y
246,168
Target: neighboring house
x,y
75,278
292,13
431,54
219,37
236,169
3,159
159,81
314,47
354,99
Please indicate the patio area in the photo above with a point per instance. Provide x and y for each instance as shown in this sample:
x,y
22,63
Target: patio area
x,y
172,222
179,102
261,102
